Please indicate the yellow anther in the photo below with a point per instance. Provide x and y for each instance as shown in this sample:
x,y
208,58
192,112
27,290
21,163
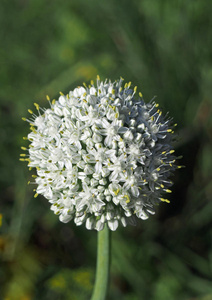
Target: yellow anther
x,y
47,98
25,138
98,78
113,92
165,200
125,86
30,111
36,106
116,192
34,176
85,85
84,94
116,115
162,186
30,168
164,152
169,130
28,182
129,84
61,94
140,94
135,89
24,148
156,105
128,199
53,101
22,155
175,124
92,82
24,119
168,191
171,151
158,169
21,159
158,111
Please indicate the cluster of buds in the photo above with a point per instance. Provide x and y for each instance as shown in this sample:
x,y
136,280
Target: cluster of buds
x,y
101,154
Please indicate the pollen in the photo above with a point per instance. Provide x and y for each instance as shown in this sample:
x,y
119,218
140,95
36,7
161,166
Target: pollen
x,y
36,106
165,200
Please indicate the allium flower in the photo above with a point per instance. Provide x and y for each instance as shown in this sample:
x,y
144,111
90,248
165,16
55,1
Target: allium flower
x,y
102,155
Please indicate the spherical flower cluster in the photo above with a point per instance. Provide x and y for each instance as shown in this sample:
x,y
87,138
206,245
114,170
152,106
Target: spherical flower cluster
x,y
102,155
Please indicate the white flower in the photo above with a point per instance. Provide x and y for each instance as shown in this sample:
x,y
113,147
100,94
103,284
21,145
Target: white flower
x,y
102,155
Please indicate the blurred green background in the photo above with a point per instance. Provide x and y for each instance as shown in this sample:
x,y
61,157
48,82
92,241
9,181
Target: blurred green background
x,y
163,47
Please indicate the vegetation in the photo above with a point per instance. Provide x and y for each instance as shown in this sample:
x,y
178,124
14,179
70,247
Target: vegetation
x,y
163,47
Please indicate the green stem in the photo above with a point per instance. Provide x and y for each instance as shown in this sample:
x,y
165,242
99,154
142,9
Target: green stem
x,y
103,265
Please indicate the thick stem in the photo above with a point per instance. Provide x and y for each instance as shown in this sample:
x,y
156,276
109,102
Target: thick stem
x,y
103,265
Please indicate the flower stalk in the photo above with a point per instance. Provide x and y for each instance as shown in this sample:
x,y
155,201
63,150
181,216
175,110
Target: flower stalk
x,y
103,265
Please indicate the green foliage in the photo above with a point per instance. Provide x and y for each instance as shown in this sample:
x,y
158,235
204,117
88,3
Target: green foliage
x,y
163,47
70,285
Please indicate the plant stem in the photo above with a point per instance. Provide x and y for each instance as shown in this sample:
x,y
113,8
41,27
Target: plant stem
x,y
103,265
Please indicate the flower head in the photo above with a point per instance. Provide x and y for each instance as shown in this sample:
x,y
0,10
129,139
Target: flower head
x,y
102,155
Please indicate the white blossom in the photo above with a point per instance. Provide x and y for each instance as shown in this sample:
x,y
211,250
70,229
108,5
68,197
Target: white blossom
x,y
102,155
